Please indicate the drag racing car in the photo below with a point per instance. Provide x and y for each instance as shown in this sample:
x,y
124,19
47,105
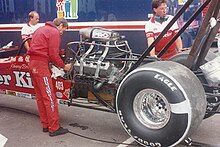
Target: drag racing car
x,y
159,103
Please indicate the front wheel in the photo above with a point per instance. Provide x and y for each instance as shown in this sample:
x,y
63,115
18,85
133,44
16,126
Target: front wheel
x,y
160,103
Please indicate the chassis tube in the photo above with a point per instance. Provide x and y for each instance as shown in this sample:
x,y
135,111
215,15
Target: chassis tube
x,y
197,45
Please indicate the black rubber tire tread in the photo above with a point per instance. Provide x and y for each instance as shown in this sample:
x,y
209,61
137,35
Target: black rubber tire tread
x,y
189,90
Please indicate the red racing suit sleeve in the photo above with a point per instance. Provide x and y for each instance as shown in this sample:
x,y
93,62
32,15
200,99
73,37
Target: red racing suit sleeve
x,y
54,48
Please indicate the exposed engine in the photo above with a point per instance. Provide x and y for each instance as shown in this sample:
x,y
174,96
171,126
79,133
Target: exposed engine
x,y
101,55
101,59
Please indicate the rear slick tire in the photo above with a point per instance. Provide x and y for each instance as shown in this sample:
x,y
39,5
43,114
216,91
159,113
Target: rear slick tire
x,y
212,54
160,103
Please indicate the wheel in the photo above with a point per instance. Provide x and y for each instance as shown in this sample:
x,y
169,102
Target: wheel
x,y
212,106
160,103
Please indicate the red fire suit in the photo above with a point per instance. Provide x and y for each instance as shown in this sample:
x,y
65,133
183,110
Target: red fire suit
x,y
154,28
44,48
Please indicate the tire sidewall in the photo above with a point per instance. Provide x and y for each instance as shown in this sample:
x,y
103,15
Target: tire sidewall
x,y
139,80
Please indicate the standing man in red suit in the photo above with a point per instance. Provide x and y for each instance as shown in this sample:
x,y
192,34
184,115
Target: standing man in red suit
x,y
44,49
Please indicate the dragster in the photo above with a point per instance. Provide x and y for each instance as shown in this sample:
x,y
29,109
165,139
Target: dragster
x,y
159,103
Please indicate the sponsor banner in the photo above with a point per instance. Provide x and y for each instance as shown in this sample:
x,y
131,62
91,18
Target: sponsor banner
x,y
15,79
62,88
25,95
9,92
15,76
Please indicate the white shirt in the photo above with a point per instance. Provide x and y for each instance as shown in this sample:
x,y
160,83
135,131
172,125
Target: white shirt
x,y
28,30
156,28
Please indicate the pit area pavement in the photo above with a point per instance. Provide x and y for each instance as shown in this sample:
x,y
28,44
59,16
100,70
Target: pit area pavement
x,y
20,126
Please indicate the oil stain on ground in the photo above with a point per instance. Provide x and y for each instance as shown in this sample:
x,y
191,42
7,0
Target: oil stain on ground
x,y
79,126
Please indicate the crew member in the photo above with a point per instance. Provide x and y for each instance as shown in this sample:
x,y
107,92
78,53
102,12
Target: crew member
x,y
45,45
29,28
155,26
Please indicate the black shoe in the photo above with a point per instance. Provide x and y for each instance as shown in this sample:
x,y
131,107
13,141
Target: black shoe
x,y
45,130
60,131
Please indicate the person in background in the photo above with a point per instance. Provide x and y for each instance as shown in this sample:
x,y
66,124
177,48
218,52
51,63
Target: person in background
x,y
29,28
44,49
156,25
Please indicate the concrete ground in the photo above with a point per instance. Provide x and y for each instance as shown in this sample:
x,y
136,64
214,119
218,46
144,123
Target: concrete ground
x,y
19,123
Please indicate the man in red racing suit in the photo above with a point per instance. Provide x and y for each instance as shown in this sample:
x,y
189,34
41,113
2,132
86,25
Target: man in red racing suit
x,y
44,49
156,25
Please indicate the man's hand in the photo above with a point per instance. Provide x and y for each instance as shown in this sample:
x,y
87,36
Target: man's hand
x,y
67,67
